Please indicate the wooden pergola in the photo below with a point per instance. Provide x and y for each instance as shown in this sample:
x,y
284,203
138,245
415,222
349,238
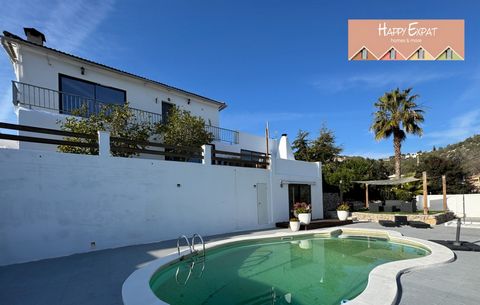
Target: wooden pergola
x,y
385,182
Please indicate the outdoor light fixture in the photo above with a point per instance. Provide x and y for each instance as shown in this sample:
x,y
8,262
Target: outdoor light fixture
x,y
82,70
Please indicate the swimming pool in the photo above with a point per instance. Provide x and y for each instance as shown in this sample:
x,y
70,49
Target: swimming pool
x,y
323,268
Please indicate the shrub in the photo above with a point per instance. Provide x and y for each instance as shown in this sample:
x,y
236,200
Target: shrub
x,y
343,207
118,120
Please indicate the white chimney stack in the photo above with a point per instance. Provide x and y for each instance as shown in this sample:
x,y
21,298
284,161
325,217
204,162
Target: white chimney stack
x,y
284,149
34,36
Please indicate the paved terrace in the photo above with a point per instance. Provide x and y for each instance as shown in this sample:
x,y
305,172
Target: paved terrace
x,y
96,278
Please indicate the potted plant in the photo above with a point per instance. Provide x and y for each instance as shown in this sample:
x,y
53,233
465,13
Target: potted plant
x,y
294,224
303,212
342,211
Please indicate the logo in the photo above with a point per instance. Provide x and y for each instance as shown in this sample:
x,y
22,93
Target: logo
x,y
406,39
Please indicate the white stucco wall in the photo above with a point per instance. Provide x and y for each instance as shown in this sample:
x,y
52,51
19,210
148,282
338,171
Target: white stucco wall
x,y
41,68
55,204
295,172
454,204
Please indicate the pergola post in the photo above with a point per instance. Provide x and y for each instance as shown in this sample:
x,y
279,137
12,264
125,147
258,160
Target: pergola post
x,y
444,187
425,193
366,195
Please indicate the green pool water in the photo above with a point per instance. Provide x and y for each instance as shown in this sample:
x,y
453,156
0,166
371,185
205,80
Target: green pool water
x,y
310,270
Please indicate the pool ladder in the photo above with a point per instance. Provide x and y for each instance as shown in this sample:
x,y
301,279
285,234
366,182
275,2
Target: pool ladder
x,y
191,245
195,258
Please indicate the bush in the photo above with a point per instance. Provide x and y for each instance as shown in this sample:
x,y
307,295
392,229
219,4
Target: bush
x,y
403,195
118,120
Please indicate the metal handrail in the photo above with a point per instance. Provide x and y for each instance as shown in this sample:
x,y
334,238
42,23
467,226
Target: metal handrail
x,y
65,103
193,243
188,243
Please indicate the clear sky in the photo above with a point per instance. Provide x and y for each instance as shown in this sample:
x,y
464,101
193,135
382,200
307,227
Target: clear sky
x,y
279,61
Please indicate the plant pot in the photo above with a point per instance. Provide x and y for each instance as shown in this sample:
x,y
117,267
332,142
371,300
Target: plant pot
x,y
342,215
294,226
305,218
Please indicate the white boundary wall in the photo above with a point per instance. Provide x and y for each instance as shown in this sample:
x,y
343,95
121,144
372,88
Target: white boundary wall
x,y
454,204
54,204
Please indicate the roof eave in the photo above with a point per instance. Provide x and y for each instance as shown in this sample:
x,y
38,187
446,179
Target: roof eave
x,y
8,39
8,48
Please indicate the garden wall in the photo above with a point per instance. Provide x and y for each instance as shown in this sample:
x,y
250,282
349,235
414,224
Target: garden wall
x,y
454,204
432,219
55,204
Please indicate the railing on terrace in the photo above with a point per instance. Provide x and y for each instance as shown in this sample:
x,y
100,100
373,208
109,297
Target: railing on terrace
x,y
66,103
105,145
119,147
258,160
89,141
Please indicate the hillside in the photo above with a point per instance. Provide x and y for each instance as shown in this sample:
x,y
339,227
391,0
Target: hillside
x,y
467,151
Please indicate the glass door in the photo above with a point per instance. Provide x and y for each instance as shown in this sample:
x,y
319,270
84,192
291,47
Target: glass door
x,y
298,193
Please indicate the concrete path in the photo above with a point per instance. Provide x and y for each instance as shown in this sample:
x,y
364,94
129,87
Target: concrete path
x,y
96,278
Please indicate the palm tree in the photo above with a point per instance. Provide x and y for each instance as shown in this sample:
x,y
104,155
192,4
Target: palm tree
x,y
397,115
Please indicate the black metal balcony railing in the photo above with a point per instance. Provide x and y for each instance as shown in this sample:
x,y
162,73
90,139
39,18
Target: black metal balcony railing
x,y
66,103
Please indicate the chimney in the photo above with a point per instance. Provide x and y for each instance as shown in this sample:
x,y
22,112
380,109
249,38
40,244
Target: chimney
x,y
34,36
284,149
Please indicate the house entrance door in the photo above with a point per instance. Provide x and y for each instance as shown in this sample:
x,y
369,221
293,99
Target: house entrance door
x,y
262,204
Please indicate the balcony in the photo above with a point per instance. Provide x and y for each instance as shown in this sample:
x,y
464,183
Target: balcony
x,y
35,97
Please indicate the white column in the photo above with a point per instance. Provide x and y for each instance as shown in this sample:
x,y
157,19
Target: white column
x,y
207,154
104,144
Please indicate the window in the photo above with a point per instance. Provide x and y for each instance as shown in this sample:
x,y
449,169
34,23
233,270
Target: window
x,y
364,54
392,54
421,54
166,108
77,93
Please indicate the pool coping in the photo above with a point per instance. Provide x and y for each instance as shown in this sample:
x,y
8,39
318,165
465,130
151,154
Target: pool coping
x,y
382,287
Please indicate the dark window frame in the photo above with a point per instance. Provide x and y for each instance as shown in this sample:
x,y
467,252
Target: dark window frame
x,y
165,115
60,89
296,188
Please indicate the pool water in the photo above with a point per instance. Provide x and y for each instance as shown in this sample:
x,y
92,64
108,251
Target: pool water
x,y
311,270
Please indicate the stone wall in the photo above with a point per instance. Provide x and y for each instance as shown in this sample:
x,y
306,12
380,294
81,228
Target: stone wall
x,y
330,201
434,219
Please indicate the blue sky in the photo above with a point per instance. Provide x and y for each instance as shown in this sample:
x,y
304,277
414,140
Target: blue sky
x,y
279,61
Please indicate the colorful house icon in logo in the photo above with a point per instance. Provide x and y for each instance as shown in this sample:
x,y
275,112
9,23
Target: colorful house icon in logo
x,y
392,54
421,54
364,54
449,54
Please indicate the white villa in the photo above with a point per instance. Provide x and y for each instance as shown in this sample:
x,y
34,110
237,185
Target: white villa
x,y
55,204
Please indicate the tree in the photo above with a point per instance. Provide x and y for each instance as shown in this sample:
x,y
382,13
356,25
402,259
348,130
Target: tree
x,y
118,120
342,174
436,166
397,114
183,129
301,146
323,148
